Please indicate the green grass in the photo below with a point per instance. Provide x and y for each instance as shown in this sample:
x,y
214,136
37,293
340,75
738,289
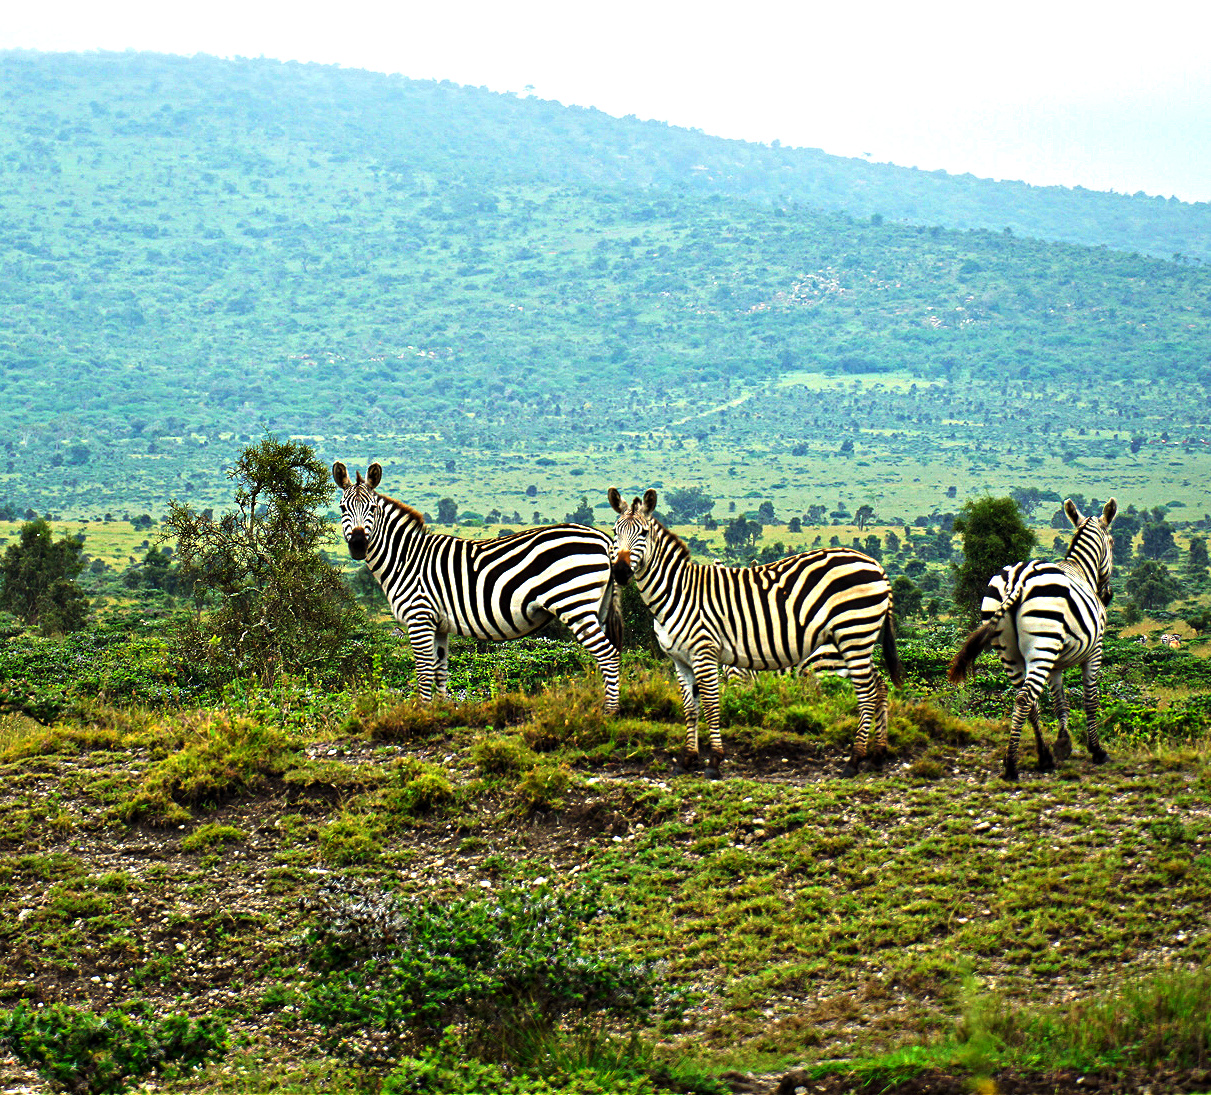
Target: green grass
x,y
796,917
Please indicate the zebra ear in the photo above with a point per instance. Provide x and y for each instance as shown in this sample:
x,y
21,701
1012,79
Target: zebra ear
x,y
649,502
340,475
1074,514
374,475
616,500
1108,512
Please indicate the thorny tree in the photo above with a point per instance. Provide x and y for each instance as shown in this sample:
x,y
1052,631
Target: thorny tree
x,y
267,600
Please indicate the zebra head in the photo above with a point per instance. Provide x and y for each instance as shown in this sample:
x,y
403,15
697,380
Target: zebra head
x,y
631,533
360,506
1092,546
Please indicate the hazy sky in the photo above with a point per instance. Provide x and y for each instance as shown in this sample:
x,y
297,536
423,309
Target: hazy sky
x,y
1109,95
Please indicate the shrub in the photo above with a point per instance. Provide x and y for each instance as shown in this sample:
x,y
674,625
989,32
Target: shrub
x,y
393,973
91,1053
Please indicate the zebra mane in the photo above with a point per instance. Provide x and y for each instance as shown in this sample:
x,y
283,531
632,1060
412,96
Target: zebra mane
x,y
407,510
1076,538
678,544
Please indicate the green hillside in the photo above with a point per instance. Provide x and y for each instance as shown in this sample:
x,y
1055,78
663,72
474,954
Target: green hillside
x,y
193,251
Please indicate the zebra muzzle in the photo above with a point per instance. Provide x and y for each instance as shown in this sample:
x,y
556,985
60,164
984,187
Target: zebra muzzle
x,y
622,571
357,543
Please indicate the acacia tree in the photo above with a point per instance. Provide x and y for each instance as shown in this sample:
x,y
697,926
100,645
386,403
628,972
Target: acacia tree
x,y
37,580
267,600
994,535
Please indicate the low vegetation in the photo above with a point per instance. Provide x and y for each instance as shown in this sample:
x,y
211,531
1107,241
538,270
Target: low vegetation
x,y
276,864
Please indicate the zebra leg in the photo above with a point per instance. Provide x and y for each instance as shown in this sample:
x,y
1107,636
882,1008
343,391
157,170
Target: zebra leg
x,y
1025,706
1063,743
707,675
423,638
1089,677
1045,761
879,754
441,664
689,704
868,702
590,634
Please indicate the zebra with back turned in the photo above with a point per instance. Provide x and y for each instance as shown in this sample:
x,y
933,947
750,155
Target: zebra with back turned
x,y
1043,618
828,607
440,585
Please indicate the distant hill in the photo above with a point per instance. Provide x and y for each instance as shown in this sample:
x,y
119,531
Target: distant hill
x,y
194,250
471,133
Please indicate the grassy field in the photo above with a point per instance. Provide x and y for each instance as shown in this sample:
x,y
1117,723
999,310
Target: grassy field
x,y
922,913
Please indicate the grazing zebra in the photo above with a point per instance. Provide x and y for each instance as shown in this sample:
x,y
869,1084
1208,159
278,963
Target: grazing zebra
x,y
439,585
1043,618
826,607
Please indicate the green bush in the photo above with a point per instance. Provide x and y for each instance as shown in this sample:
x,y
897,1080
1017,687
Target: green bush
x,y
393,974
91,1053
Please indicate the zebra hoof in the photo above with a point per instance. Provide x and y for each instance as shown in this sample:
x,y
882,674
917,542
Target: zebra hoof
x,y
1099,755
1010,774
1063,748
1046,763
711,772
850,770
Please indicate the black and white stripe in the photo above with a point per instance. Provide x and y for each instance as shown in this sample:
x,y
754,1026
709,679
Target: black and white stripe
x,y
1043,618
826,608
439,585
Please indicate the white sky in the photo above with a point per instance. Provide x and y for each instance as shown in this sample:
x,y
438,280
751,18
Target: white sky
x,y
1110,95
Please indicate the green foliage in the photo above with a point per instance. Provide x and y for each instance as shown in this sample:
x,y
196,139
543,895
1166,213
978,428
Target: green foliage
x,y
37,580
741,536
576,1064
278,605
393,974
994,535
684,505
1150,585
212,758
112,1051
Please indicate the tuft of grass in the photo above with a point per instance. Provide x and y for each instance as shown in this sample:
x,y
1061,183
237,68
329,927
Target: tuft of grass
x,y
543,787
503,758
1163,1020
219,757
206,837
412,719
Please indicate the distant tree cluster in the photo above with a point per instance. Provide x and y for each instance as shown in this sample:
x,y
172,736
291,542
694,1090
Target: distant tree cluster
x,y
37,580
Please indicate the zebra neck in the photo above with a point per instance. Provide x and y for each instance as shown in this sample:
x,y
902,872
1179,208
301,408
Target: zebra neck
x,y
1079,571
1082,561
664,574
395,542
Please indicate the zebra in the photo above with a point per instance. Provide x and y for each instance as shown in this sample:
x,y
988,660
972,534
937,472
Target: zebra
x,y
1043,618
440,585
826,607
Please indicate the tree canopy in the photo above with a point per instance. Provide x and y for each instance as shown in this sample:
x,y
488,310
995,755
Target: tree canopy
x,y
994,535
267,600
37,580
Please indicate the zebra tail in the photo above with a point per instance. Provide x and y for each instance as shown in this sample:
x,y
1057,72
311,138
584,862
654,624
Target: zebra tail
x,y
613,620
891,659
977,642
